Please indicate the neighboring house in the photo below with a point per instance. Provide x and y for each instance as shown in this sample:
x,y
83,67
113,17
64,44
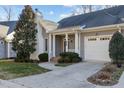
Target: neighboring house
x,y
87,34
7,32
6,45
3,33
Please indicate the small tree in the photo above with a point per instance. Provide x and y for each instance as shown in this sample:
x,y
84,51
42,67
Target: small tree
x,y
25,34
116,48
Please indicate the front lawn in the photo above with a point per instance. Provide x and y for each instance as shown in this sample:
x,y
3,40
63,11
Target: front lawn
x,y
10,70
107,76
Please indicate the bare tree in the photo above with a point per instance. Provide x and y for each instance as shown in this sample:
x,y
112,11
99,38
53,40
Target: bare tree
x,y
87,8
8,11
109,6
82,9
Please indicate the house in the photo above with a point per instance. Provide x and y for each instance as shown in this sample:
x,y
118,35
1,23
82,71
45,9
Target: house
x,y
7,32
87,34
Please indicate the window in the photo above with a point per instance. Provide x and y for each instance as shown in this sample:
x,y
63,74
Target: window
x,y
46,44
92,39
105,38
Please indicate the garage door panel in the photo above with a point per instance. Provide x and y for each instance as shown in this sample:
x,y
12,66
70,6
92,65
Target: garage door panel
x,y
96,48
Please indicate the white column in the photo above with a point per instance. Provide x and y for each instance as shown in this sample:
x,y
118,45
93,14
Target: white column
x,y
79,41
8,50
76,43
66,38
50,47
54,46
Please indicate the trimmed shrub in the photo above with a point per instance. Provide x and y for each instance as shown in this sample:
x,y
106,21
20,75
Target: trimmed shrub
x,y
43,57
61,60
69,57
116,48
69,54
78,59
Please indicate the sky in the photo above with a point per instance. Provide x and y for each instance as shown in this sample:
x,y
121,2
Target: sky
x,y
50,12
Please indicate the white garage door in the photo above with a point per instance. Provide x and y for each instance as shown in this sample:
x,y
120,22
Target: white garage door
x,y
96,48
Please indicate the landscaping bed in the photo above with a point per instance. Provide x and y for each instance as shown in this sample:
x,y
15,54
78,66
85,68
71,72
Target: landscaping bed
x,y
10,70
107,76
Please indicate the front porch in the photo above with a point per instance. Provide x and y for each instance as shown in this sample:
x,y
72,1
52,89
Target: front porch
x,y
64,42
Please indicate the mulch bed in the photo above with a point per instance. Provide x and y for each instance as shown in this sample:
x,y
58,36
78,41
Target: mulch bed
x,y
107,76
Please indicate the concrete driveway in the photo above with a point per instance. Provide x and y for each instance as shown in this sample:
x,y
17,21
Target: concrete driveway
x,y
73,76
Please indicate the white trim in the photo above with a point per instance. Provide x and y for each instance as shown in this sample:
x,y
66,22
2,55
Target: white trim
x,y
79,41
76,42
54,45
77,28
50,44
8,50
66,38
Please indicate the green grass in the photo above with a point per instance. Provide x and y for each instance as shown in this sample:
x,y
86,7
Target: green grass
x,y
117,74
10,70
63,64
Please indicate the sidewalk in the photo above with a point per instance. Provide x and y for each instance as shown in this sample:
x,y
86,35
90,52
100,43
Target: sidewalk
x,y
8,84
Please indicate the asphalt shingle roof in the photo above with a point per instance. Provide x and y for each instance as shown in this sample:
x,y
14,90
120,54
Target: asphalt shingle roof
x,y
10,24
114,15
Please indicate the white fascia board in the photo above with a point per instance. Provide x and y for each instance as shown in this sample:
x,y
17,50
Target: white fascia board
x,y
77,28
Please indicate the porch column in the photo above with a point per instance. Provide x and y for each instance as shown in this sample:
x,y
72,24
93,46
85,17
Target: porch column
x,y
54,46
50,47
66,38
76,43
79,41
8,50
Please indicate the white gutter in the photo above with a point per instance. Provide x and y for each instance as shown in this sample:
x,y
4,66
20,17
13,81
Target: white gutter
x,y
69,29
77,28
102,28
